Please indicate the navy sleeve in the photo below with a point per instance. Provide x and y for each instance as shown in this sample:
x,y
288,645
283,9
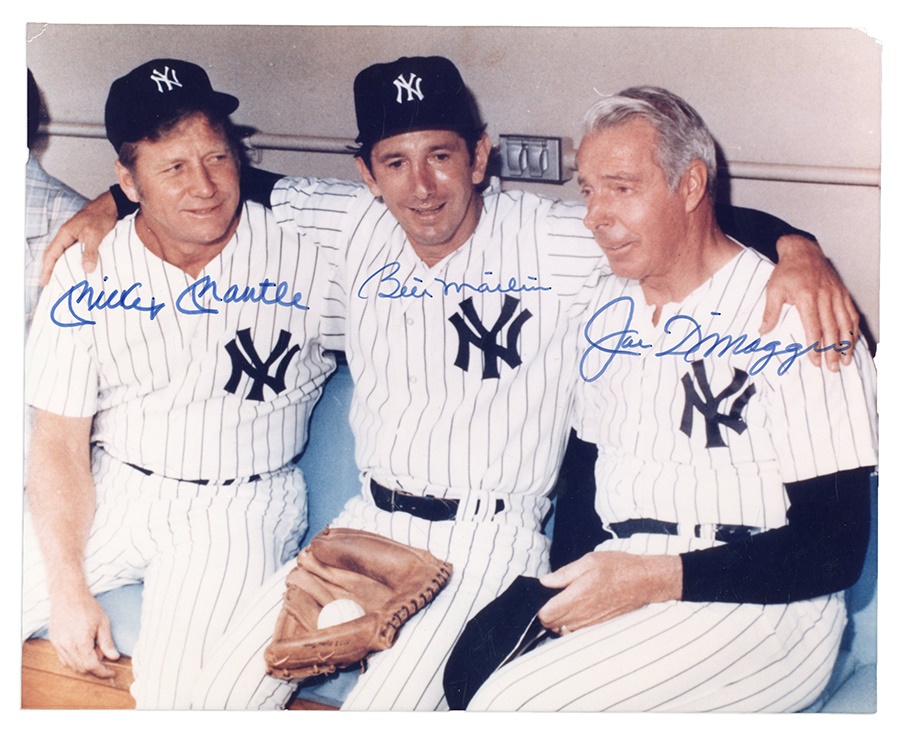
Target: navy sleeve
x,y
821,550
577,529
124,205
755,229
257,185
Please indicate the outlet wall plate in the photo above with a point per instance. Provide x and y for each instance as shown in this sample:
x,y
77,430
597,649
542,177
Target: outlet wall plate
x,y
533,158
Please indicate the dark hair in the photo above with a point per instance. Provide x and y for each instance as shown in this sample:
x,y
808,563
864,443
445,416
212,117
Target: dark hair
x,y
34,108
234,134
471,138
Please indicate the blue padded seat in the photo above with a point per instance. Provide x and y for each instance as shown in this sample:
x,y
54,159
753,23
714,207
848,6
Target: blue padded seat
x,y
332,478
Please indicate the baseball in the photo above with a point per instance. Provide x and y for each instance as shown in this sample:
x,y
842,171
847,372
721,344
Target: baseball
x,y
339,612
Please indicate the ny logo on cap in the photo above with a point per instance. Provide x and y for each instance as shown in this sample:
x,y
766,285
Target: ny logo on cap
x,y
163,78
402,84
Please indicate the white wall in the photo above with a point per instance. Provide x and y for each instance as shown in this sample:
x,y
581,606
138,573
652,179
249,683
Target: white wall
x,y
783,96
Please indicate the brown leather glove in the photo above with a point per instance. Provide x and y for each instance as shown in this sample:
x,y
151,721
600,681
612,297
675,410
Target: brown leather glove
x,y
389,580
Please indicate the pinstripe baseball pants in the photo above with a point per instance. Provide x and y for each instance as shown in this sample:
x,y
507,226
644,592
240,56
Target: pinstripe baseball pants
x,y
487,553
678,657
199,550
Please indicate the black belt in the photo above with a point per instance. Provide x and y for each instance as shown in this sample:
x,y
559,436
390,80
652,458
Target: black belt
x,y
720,532
424,507
200,481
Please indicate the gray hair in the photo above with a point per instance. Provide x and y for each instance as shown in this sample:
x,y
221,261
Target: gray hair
x,y
682,134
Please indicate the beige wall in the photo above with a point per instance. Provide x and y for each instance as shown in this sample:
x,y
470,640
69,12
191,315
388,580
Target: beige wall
x,y
780,96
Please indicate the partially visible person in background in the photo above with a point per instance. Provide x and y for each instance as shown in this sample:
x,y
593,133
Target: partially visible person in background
x,y
48,204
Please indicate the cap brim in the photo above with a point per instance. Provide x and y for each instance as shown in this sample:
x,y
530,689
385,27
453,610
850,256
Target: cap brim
x,y
226,102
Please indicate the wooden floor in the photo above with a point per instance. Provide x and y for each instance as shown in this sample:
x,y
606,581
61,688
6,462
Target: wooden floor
x,y
47,685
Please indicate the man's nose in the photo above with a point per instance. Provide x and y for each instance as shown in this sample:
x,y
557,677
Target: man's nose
x,y
423,181
202,183
598,214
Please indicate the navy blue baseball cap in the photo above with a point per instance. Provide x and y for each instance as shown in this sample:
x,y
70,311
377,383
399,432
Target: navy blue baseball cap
x,y
411,94
154,93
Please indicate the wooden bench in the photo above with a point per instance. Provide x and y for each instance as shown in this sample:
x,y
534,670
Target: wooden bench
x,y
47,685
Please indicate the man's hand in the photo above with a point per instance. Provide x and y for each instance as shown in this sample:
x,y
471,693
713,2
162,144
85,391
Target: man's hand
x,y
80,633
602,585
804,278
90,226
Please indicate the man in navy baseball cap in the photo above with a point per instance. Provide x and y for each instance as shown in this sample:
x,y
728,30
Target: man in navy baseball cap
x,y
422,150
88,485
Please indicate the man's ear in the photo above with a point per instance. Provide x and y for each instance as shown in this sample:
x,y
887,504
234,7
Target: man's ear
x,y
126,183
480,162
367,176
693,185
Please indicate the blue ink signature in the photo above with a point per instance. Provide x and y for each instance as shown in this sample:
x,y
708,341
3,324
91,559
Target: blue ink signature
x,y
234,294
82,293
81,299
693,344
387,285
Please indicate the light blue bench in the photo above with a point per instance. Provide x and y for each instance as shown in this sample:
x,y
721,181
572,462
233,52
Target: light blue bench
x,y
332,478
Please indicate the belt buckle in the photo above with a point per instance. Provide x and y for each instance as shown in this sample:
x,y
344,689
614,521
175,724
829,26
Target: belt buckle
x,y
705,531
396,496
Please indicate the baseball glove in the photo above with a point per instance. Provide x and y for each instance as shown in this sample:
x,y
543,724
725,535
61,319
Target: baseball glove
x,y
389,580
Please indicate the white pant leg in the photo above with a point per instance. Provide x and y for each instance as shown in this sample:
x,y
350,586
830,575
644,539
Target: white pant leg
x,y
679,657
112,556
214,547
234,677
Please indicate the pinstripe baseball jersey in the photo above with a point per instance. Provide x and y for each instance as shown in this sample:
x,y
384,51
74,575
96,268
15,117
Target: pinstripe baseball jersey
x,y
208,378
696,425
463,371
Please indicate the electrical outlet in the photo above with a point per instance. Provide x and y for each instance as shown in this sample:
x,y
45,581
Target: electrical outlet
x,y
532,158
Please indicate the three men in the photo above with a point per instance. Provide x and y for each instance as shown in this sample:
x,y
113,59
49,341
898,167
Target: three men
x,y
173,388
731,473
462,315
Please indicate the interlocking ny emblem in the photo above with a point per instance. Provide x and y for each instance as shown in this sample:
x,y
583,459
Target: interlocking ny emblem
x,y
256,368
710,408
163,78
402,84
486,340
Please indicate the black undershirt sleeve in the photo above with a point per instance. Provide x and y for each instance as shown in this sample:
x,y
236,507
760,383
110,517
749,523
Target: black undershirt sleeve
x,y
821,550
124,205
577,529
755,229
257,185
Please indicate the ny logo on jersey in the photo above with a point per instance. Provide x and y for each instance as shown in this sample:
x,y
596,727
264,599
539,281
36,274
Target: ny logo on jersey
x,y
255,368
486,340
163,78
402,84
710,407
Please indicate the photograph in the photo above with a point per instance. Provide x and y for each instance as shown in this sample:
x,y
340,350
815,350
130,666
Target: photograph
x,y
487,368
